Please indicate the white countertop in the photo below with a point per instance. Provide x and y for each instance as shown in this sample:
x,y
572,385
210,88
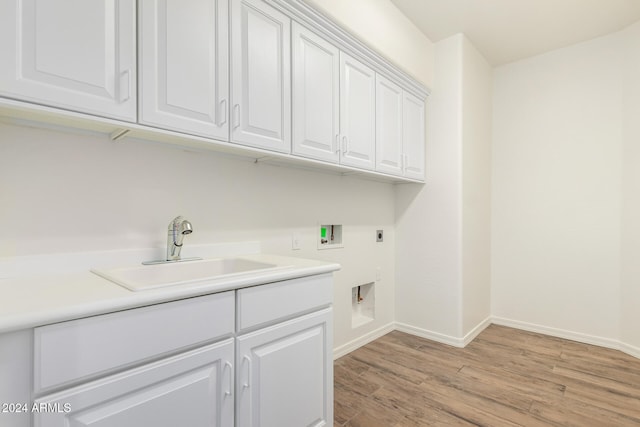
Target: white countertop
x,y
35,300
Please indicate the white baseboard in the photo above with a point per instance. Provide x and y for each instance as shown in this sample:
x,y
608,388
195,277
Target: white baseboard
x,y
630,350
473,333
363,340
419,332
470,336
560,333
430,335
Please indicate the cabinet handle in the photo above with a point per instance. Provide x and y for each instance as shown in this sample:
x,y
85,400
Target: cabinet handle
x,y
236,116
228,365
125,79
405,162
337,146
247,383
223,109
345,144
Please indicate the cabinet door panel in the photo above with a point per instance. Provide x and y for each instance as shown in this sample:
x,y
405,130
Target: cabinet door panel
x,y
193,389
316,86
184,59
357,113
261,77
73,54
388,126
285,374
413,136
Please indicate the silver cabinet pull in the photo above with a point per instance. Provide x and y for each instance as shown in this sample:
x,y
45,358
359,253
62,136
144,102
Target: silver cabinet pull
x,y
223,110
247,383
236,116
125,79
230,370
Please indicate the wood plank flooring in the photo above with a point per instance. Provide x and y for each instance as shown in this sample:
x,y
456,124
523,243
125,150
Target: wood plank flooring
x,y
505,377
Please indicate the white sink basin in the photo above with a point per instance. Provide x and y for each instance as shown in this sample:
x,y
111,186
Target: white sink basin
x,y
145,277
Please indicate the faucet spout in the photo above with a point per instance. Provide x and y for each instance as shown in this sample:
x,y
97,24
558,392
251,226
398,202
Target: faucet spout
x,y
178,228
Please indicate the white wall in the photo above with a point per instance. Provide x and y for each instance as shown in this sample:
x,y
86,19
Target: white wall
x,y
442,229
64,192
476,188
69,192
630,280
429,241
556,190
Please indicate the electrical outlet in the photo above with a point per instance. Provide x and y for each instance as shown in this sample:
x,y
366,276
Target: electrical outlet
x,y
296,243
379,235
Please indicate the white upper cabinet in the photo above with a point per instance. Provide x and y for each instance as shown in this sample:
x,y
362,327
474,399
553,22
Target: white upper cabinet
x,y
389,155
73,54
400,136
316,96
224,74
260,76
184,66
357,113
413,136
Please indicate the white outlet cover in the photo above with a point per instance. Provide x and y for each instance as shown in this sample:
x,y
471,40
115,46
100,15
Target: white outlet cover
x,y
296,242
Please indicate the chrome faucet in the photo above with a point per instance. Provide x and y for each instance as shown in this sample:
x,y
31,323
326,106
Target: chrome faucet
x,y
178,228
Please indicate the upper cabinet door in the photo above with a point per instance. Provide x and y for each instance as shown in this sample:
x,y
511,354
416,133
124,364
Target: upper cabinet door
x,y
184,66
261,77
388,126
73,54
357,113
413,136
316,96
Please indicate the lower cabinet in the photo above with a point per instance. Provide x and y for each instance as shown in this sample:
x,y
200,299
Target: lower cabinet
x,y
285,374
192,389
251,357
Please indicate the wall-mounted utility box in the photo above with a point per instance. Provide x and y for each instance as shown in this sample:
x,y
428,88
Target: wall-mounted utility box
x,y
330,236
363,304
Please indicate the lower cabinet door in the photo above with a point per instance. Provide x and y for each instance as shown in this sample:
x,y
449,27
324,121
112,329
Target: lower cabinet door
x,y
285,374
191,389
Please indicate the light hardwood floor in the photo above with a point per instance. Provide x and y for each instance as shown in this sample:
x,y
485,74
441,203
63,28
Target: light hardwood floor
x,y
505,377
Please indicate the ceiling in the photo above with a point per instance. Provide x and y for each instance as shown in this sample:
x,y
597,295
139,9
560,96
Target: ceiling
x,y
509,30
